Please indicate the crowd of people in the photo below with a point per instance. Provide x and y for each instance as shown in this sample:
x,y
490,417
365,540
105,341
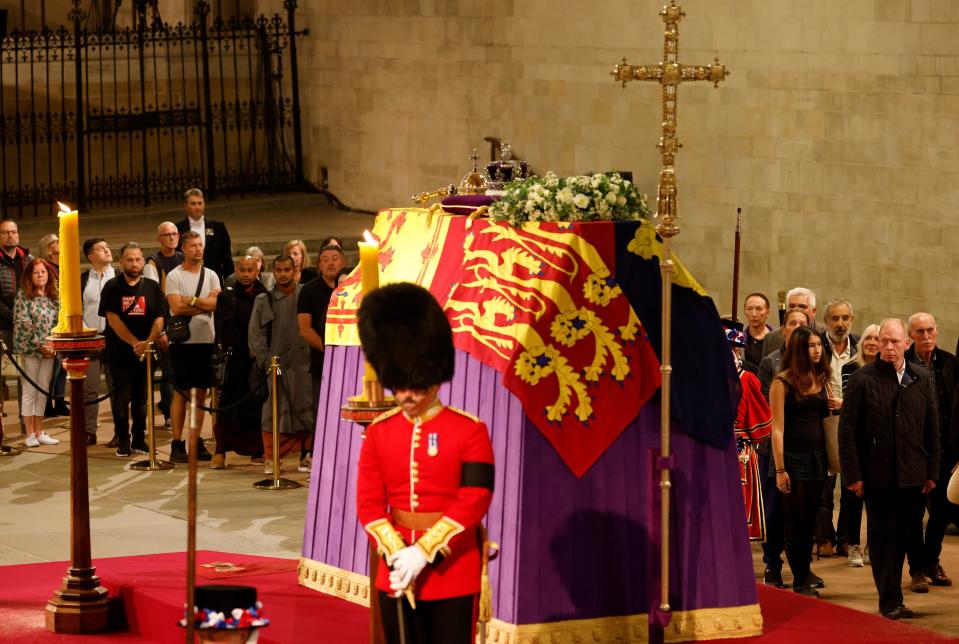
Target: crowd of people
x,y
196,306
875,412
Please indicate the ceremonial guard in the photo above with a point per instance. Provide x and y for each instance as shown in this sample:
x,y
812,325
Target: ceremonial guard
x,y
753,426
425,474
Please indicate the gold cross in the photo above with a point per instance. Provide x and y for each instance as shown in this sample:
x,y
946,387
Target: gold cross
x,y
669,73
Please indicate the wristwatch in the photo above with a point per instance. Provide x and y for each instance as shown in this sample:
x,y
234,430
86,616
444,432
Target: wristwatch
x,y
193,301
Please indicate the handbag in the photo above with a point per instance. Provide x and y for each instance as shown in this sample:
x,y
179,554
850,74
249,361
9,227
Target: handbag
x,y
178,326
219,362
830,428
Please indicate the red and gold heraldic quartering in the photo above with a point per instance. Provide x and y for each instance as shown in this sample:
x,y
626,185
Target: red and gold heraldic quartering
x,y
540,304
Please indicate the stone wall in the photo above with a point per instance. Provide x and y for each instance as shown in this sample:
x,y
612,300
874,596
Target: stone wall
x,y
838,132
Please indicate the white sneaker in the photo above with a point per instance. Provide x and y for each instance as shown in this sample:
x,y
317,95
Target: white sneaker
x,y
46,439
32,441
268,467
305,465
855,556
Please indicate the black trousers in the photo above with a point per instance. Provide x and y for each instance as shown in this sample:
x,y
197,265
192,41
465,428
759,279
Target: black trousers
x,y
825,533
890,515
166,383
799,509
442,621
849,526
129,398
773,545
923,550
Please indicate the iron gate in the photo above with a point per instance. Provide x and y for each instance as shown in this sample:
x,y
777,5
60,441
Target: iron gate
x,y
138,115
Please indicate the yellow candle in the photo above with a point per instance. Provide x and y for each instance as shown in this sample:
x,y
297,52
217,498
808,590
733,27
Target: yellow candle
x,y
369,280
71,302
369,263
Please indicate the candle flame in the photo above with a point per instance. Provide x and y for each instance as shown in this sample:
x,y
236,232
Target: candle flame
x,y
64,207
370,239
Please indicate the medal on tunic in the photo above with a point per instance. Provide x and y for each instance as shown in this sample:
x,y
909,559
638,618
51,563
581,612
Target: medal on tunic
x,y
433,444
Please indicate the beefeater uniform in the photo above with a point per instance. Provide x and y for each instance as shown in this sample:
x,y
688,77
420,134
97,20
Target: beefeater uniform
x,y
753,425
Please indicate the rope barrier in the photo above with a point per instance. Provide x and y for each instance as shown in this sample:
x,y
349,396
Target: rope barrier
x,y
212,410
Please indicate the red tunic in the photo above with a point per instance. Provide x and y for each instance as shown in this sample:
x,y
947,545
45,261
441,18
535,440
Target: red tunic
x,y
753,425
445,465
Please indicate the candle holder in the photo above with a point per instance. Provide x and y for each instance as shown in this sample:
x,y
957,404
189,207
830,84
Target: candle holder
x,y
81,605
363,408
75,329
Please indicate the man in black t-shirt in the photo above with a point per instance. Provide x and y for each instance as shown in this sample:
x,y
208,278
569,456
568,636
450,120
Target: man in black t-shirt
x,y
133,307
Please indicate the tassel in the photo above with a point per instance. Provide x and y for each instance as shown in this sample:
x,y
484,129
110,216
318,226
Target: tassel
x,y
486,596
489,549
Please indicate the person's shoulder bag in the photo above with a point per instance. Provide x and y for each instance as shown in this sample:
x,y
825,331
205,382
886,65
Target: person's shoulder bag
x,y
178,326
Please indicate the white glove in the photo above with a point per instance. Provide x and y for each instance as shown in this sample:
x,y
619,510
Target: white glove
x,y
407,564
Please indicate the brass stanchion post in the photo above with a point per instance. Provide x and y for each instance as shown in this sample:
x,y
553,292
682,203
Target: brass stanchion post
x,y
150,464
275,483
5,450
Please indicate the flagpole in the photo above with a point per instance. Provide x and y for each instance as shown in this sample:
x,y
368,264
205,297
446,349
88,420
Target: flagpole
x,y
736,250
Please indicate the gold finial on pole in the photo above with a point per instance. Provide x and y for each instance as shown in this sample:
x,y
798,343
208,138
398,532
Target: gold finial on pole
x,y
669,73
275,483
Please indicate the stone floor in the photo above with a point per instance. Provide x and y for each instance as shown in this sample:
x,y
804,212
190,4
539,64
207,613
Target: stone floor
x,y
135,512
145,512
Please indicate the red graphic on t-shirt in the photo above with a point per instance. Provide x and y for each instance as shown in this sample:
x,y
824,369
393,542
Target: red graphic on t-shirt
x,y
140,308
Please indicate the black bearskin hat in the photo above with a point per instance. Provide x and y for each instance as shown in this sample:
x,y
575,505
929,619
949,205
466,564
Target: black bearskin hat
x,y
406,337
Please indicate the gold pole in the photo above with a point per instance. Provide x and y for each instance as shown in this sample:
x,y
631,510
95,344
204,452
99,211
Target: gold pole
x,y
191,519
275,483
666,370
274,373
669,73
151,463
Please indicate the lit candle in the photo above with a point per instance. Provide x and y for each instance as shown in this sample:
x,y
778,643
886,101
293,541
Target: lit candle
x,y
369,280
369,263
71,303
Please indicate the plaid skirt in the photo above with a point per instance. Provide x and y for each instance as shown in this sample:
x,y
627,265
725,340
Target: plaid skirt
x,y
803,466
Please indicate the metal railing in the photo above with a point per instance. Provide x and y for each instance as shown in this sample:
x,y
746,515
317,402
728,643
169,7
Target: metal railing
x,y
137,115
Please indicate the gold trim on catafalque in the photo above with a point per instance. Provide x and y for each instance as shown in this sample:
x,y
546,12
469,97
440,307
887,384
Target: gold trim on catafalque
x,y
436,540
685,626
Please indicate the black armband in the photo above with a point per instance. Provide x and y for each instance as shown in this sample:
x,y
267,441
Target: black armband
x,y
476,474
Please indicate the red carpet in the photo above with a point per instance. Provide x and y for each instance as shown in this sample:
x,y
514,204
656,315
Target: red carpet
x,y
153,588
790,618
